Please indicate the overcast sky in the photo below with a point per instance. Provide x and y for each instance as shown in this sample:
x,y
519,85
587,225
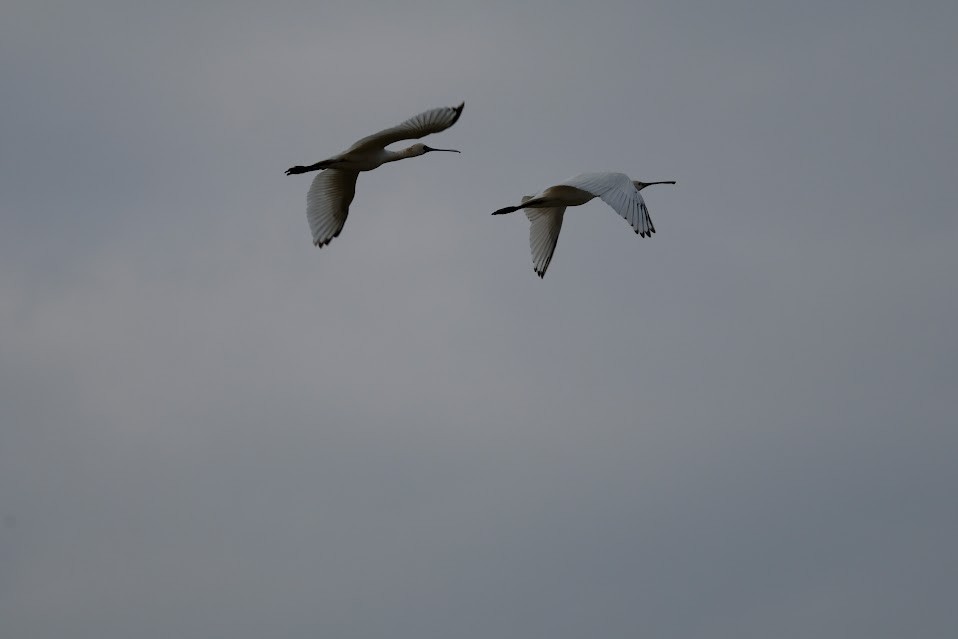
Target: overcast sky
x,y
742,427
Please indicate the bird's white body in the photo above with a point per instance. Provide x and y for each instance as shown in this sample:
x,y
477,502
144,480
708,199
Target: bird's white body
x,y
546,209
332,191
362,160
367,159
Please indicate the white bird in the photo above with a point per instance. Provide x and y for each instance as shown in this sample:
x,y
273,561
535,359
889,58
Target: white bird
x,y
329,196
545,209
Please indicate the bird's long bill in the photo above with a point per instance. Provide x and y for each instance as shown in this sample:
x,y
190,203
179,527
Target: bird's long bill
x,y
429,148
668,182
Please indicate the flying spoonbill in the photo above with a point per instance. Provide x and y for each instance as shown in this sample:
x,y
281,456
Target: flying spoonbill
x,y
545,209
329,196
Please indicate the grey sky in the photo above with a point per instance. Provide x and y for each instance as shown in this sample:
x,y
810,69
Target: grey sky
x,y
743,427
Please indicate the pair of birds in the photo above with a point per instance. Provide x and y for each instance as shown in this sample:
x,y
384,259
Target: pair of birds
x,y
332,191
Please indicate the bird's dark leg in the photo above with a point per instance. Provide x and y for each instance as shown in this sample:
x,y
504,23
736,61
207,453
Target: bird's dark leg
x,y
527,202
319,166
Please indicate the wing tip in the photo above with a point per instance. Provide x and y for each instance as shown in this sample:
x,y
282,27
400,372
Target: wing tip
x,y
458,110
320,243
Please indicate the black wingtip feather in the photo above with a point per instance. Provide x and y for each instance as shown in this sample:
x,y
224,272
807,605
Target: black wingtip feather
x,y
458,110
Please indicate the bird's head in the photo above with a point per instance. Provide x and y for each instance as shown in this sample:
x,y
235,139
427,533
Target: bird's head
x,y
641,185
422,149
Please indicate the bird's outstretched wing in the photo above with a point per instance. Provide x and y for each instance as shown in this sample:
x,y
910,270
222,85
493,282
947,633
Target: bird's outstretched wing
x,y
431,121
617,190
543,235
327,203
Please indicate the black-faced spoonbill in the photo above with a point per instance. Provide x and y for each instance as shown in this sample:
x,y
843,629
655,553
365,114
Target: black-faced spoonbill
x,y
545,209
329,196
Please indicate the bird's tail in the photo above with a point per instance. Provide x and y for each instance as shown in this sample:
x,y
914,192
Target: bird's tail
x,y
512,209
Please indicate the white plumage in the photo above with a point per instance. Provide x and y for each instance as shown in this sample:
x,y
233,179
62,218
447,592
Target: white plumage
x,y
327,203
546,209
330,194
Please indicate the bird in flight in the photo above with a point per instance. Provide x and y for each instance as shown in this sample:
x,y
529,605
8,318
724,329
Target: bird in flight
x,y
329,196
545,209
